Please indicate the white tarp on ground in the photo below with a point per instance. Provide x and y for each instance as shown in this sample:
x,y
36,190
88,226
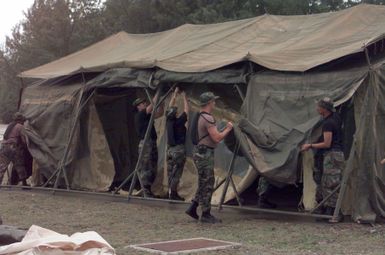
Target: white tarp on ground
x,y
41,241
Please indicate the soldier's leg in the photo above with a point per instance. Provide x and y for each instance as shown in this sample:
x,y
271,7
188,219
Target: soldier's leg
x,y
178,159
6,156
192,209
170,164
207,180
153,162
333,166
4,162
144,169
317,175
264,190
19,165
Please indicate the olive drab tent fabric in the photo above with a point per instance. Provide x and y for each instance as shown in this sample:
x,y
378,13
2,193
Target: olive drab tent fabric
x,y
80,113
285,43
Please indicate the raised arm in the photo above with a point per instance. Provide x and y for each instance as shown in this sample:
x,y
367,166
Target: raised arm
x,y
185,102
173,97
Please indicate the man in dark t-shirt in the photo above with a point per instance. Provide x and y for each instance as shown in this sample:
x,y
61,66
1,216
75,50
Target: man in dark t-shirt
x,y
330,145
148,165
176,137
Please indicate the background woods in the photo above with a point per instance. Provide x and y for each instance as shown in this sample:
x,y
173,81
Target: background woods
x,y
54,28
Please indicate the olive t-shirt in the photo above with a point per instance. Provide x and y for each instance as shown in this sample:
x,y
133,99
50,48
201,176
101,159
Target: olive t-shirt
x,y
205,122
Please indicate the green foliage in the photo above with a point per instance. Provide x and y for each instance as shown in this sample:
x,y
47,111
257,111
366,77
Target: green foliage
x,y
55,28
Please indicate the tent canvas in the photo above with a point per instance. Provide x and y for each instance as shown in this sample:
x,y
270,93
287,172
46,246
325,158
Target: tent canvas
x,y
276,117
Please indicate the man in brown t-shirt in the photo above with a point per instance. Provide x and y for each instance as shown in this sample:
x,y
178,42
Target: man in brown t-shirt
x,y
12,149
203,155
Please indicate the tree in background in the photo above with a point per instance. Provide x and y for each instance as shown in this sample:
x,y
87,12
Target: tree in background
x,y
55,28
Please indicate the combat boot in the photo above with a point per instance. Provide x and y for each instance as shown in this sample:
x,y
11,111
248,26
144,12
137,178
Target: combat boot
x,y
208,218
147,192
264,203
192,210
174,196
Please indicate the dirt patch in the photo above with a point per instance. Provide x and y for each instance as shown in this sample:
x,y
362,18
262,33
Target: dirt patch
x,y
123,224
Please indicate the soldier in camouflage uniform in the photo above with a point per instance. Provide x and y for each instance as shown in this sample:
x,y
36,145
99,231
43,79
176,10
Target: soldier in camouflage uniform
x,y
176,137
208,138
148,166
333,157
12,149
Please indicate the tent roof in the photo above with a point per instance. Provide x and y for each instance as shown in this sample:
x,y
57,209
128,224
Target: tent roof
x,y
284,43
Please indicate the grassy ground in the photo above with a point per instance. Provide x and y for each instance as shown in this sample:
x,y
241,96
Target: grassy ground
x,y
123,224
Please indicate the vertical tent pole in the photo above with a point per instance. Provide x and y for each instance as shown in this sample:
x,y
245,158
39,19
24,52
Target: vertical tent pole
x,y
344,183
229,177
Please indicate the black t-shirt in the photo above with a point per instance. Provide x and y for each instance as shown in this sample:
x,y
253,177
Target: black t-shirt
x,y
176,129
142,118
333,124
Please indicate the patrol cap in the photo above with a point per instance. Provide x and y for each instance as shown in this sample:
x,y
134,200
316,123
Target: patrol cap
x,y
326,103
206,98
138,101
18,117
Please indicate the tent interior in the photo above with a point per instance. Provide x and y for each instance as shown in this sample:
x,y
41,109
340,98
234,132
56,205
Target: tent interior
x,y
80,114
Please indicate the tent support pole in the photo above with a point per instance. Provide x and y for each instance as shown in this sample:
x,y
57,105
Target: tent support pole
x,y
61,168
367,57
240,92
344,183
326,199
229,179
219,184
148,96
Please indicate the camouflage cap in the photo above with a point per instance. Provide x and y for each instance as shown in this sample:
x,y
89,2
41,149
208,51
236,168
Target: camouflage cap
x,y
206,98
18,117
326,103
138,101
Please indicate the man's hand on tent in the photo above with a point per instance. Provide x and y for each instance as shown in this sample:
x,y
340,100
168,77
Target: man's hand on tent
x,y
305,147
383,162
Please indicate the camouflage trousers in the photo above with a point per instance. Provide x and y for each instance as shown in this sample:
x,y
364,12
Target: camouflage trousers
x,y
264,187
333,165
148,166
204,162
15,154
176,158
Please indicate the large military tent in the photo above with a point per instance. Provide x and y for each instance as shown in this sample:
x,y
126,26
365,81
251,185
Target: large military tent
x,y
80,113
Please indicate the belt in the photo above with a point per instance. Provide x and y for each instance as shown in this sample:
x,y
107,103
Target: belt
x,y
205,146
334,149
